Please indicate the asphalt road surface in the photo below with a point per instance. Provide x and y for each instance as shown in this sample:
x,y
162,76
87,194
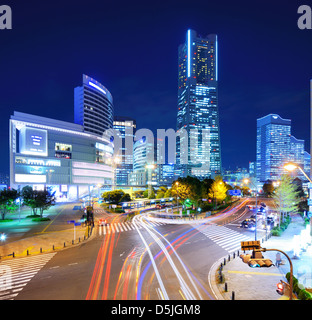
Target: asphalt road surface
x,y
145,259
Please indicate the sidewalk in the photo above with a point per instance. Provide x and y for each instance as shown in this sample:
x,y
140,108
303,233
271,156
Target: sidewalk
x,y
44,240
246,283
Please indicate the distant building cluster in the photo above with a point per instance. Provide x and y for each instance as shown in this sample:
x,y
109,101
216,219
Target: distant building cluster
x,y
74,158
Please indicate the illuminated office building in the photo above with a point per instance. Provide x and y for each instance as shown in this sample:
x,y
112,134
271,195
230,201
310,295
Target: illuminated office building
x,y
143,156
198,107
124,157
93,106
59,155
275,147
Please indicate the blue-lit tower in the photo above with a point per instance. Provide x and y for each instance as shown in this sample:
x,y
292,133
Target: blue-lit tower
x,y
198,106
94,108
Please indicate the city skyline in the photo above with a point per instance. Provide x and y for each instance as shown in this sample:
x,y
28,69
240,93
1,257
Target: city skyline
x,y
250,87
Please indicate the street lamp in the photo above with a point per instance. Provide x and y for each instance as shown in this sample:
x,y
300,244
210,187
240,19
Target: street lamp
x,y
292,166
246,181
149,167
177,184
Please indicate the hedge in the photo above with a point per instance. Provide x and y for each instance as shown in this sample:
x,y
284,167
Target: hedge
x,y
298,289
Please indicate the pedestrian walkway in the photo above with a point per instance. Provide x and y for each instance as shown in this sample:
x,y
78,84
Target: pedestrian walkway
x,y
124,227
226,238
242,282
15,274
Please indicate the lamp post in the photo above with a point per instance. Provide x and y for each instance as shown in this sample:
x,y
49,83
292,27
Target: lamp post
x,y
149,168
246,181
177,184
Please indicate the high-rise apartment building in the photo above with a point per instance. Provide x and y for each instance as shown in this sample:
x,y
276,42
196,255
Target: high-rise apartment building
x,y
93,106
198,112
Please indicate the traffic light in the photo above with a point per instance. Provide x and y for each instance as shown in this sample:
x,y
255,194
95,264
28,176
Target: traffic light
x,y
260,263
280,288
256,260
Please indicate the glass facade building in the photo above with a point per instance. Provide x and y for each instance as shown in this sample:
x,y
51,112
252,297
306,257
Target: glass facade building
x,y
93,106
50,153
275,147
198,107
124,166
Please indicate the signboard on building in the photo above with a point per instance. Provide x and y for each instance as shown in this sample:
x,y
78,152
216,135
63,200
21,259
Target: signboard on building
x,y
33,141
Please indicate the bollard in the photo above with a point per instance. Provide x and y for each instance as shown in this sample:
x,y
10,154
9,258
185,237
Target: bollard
x,y
64,245
225,287
72,241
13,254
27,252
233,295
53,247
233,255
40,250
224,263
229,258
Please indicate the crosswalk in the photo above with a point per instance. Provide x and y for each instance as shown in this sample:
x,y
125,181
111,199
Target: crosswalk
x,y
16,273
124,226
228,239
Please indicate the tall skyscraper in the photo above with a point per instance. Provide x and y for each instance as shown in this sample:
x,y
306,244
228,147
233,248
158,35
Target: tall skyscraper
x,y
126,126
93,106
198,107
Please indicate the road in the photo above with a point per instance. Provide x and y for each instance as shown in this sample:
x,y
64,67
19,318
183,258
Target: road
x,y
145,259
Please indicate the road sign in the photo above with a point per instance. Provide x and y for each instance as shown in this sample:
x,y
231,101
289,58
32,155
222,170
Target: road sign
x,y
250,245
235,193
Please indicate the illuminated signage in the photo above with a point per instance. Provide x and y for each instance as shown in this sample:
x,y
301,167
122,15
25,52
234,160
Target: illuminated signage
x,y
38,162
96,87
188,53
36,178
33,141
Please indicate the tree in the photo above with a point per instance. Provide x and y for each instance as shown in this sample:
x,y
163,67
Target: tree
x,y
286,197
37,199
116,196
161,192
187,188
268,188
43,200
7,201
218,190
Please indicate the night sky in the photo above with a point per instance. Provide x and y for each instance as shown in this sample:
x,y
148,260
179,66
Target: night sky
x,y
131,47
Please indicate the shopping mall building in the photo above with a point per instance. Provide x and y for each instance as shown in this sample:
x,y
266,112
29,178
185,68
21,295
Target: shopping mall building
x,y
50,153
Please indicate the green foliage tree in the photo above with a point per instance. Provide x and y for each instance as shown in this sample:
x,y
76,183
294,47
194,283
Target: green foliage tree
x,y
286,197
116,196
187,188
268,188
37,200
161,192
43,200
7,201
